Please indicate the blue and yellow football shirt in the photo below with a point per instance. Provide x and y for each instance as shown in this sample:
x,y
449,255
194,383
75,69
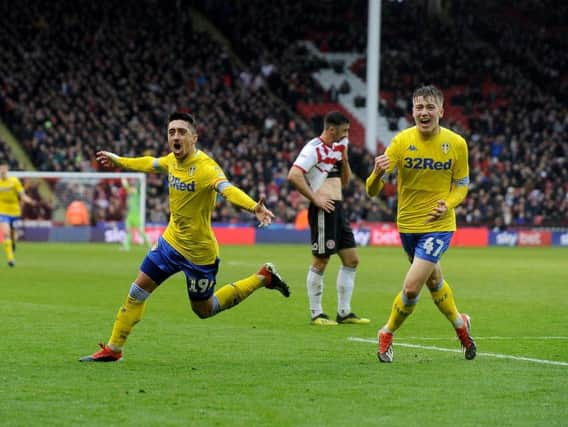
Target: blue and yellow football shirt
x,y
427,169
192,199
10,188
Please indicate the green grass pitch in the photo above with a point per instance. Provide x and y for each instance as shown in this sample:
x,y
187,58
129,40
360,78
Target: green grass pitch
x,y
262,364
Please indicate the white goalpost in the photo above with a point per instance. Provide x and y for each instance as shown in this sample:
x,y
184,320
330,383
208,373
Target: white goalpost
x,y
103,195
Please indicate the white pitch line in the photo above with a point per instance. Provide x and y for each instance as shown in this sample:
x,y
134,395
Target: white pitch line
x,y
496,338
241,263
451,350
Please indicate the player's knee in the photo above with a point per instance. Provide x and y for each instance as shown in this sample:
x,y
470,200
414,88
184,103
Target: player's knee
x,y
411,294
319,264
432,282
352,262
205,308
411,289
202,313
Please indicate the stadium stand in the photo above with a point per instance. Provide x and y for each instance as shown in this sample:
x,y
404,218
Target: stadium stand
x,y
517,142
109,82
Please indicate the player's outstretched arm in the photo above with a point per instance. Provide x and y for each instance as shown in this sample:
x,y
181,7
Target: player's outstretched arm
x,y
241,199
107,159
141,164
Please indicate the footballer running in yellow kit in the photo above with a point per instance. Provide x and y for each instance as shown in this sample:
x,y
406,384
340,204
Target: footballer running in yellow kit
x,y
11,192
432,179
188,243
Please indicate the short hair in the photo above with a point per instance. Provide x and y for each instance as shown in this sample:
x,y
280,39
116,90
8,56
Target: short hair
x,y
334,118
429,91
179,115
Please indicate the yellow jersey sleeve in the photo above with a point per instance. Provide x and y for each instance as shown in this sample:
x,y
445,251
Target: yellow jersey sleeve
x,y
239,198
161,164
143,164
217,176
18,185
461,170
373,184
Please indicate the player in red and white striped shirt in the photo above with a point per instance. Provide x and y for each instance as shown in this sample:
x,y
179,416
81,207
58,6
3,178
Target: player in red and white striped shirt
x,y
319,172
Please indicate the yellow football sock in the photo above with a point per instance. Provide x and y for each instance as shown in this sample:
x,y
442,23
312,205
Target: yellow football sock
x,y
444,300
232,294
8,249
128,315
400,311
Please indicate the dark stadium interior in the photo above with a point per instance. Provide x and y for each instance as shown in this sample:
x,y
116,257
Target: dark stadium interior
x,y
80,76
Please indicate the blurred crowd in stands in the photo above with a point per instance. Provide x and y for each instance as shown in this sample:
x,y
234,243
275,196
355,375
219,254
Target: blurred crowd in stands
x,y
5,155
81,76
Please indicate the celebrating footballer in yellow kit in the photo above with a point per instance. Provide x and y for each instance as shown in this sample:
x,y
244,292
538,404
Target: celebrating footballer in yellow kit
x,y
188,243
11,191
433,177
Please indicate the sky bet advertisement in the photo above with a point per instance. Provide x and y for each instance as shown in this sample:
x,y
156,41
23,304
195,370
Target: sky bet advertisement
x,y
366,234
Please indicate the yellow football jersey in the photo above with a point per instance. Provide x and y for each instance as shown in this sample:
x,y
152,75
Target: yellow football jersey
x,y
427,169
10,188
192,199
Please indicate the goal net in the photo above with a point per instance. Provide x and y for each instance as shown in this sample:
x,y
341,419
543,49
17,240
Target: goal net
x,y
81,206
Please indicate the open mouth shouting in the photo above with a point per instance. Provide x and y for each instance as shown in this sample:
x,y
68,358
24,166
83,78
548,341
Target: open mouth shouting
x,y
426,123
177,147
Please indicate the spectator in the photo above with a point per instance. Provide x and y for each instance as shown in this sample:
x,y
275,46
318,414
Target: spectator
x,y
77,214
